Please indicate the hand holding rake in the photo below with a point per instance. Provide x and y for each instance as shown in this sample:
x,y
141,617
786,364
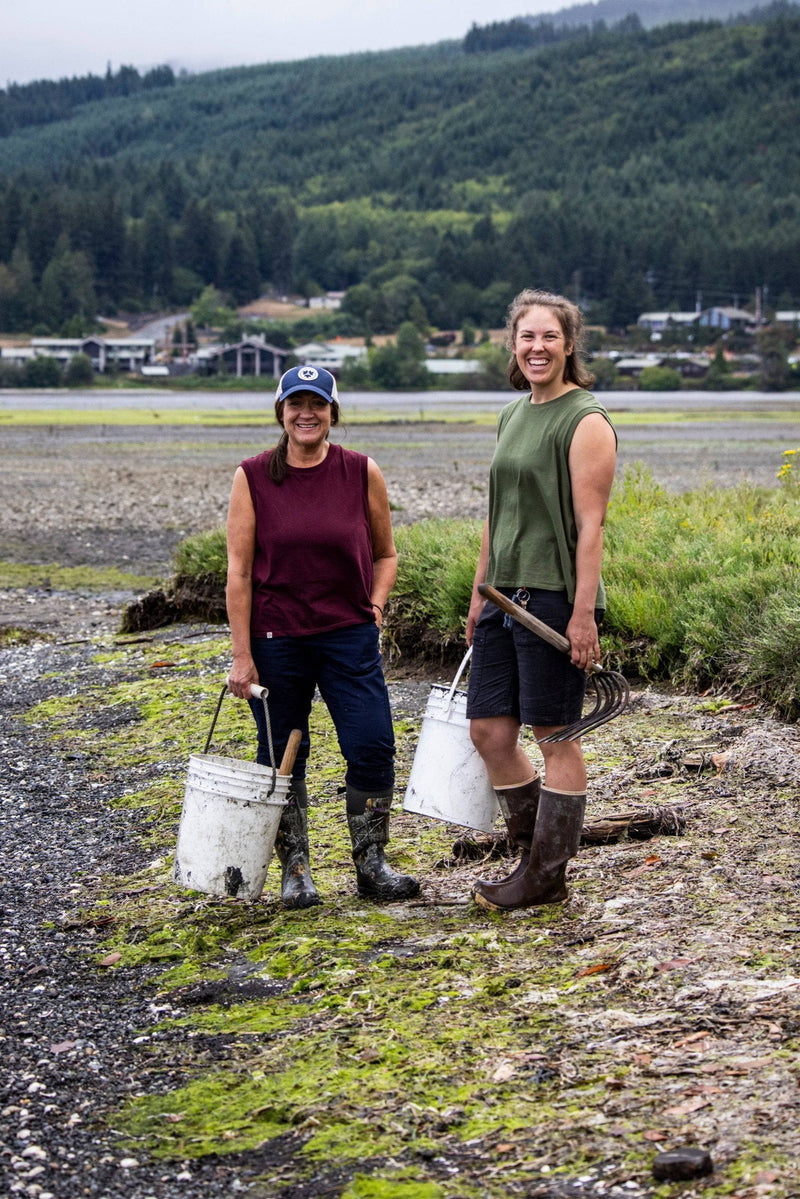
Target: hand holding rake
x,y
611,689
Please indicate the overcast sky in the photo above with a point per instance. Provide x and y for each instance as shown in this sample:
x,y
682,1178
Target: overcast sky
x,y
50,39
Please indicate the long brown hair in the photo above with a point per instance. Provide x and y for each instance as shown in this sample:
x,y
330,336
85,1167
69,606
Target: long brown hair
x,y
571,321
278,466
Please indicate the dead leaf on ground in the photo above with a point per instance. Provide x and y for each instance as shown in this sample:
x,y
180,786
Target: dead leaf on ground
x,y
598,968
689,1106
647,864
692,1038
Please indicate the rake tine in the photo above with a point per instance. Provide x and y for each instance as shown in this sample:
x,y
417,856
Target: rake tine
x,y
612,693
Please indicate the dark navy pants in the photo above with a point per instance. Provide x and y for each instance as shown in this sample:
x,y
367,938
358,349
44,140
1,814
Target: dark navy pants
x,y
346,667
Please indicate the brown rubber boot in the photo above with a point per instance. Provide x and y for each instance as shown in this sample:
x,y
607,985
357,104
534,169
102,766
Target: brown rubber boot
x,y
368,821
556,837
291,846
519,805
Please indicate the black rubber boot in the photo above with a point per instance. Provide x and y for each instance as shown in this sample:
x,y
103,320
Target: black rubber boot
x,y
291,846
556,837
368,821
519,806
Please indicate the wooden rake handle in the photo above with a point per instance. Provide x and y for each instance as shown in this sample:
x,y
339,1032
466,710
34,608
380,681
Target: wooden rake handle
x,y
524,618
290,753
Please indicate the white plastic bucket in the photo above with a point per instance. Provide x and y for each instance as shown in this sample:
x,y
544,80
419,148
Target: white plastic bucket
x,y
231,812
448,779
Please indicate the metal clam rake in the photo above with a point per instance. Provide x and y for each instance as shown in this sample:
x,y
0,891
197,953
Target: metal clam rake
x,y
611,689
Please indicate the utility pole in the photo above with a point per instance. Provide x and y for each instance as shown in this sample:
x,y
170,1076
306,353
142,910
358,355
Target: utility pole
x,y
576,283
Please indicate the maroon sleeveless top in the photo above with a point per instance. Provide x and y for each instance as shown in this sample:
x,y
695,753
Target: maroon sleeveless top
x,y
313,564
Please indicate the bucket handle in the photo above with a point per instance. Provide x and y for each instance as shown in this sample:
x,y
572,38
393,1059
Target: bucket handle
x,y
459,673
257,692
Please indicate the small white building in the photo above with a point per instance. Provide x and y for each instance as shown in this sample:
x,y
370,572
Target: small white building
x,y
331,300
786,316
453,366
635,364
126,353
16,355
658,322
330,354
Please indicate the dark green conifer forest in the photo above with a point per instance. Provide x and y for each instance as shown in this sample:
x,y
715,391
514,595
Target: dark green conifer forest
x,y
631,168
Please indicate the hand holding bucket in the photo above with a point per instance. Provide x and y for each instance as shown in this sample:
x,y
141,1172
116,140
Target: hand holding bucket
x,y
230,817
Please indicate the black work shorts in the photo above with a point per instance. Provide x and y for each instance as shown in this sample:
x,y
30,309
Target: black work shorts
x,y
515,673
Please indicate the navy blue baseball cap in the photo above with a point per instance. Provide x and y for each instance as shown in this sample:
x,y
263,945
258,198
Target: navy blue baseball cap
x,y
308,378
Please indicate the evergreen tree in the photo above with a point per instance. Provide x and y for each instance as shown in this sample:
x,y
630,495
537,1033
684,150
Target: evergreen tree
x,y
67,289
240,276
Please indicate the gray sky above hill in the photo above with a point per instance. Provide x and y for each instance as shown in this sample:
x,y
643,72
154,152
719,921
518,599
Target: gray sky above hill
x,y
46,39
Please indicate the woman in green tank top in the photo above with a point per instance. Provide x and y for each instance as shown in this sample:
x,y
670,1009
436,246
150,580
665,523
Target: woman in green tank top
x,y
542,544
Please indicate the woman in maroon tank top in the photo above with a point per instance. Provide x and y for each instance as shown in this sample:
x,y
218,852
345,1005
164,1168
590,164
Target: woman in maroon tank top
x,y
311,562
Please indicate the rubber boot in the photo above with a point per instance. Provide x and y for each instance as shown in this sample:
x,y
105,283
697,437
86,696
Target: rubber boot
x,y
519,806
556,837
291,846
368,821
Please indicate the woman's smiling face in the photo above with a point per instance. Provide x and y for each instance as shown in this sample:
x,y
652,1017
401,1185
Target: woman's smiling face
x,y
541,351
307,419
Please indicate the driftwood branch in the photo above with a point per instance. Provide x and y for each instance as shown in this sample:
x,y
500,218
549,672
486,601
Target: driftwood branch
x,y
638,825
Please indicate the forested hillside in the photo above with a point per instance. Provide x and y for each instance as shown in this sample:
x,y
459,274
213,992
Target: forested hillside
x,y
630,167
648,12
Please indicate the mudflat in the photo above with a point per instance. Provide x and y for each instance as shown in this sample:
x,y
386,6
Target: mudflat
x,y
125,495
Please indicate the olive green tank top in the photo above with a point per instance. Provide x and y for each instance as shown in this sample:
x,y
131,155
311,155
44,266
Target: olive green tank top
x,y
532,532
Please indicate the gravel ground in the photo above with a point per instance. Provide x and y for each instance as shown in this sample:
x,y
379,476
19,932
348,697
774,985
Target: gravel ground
x,y
74,1038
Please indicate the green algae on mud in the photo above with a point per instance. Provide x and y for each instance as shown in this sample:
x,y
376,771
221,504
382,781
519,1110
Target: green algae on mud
x,y
516,1048
232,417
71,578
13,635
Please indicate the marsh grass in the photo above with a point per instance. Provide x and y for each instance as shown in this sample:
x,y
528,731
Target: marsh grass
x,y
703,587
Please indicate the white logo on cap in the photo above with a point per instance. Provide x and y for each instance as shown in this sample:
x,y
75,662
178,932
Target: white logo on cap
x,y
307,373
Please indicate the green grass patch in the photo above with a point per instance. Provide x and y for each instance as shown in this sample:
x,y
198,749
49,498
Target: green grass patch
x,y
427,609
71,578
703,587
233,417
13,635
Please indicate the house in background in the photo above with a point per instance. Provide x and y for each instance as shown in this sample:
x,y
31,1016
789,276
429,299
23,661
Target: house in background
x,y
452,366
16,355
636,363
727,318
123,353
658,322
251,357
330,354
331,301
